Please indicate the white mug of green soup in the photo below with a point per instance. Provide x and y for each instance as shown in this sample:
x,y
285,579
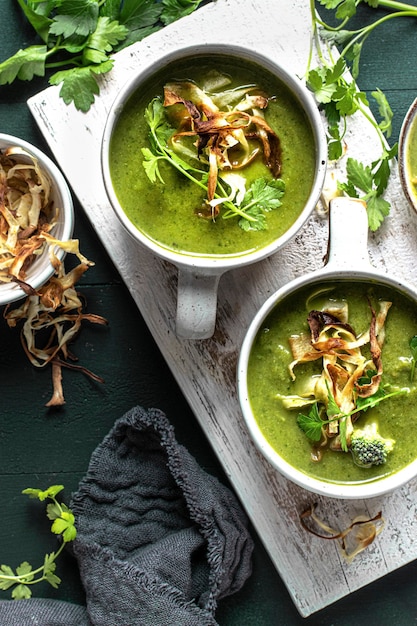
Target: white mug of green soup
x,y
213,158
407,155
326,378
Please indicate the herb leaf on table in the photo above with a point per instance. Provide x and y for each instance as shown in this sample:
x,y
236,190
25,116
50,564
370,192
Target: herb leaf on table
x,y
79,38
63,525
339,96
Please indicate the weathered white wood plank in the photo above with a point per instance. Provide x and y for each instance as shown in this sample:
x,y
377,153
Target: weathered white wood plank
x,y
312,569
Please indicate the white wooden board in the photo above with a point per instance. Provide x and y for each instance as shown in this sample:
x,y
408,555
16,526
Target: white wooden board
x,y
312,569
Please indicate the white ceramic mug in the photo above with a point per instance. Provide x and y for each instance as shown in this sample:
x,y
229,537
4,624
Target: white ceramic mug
x,y
198,276
347,260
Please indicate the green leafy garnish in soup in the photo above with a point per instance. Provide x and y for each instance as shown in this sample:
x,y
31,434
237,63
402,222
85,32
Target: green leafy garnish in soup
x,y
213,156
331,381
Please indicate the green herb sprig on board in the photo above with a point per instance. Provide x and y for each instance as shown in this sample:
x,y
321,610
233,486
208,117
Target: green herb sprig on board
x,y
63,524
79,36
339,96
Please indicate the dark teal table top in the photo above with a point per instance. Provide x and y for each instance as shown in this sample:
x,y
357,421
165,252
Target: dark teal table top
x,y
41,446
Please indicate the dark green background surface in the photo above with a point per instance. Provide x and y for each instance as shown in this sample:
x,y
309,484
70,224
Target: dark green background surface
x,y
39,447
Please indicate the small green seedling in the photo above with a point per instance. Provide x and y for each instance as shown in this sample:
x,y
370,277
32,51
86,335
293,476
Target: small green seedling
x,y
63,524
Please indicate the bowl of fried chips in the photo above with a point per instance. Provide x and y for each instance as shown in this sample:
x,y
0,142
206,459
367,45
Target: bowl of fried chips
x,y
36,218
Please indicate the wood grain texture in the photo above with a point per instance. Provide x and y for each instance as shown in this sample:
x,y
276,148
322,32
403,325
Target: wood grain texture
x,y
312,569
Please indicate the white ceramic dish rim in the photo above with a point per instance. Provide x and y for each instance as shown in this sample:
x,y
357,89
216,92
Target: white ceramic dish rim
x,y
41,269
299,91
403,143
344,491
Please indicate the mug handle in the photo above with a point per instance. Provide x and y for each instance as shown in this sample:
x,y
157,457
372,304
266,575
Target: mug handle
x,y
196,303
348,237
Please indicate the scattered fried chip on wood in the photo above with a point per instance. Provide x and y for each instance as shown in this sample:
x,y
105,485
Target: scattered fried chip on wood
x,y
52,318
352,540
53,314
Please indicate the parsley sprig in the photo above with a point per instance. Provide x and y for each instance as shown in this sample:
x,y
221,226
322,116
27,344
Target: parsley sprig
x,y
63,524
313,422
339,97
79,37
262,196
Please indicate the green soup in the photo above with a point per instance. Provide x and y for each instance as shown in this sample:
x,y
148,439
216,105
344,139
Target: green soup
x,y
411,163
268,377
166,213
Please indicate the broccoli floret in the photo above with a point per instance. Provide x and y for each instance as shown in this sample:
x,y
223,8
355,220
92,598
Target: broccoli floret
x,y
368,447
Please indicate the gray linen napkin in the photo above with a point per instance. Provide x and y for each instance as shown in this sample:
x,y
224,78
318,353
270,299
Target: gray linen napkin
x,y
159,540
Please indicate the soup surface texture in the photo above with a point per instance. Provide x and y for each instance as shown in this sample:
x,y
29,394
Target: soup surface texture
x,y
269,377
411,163
166,212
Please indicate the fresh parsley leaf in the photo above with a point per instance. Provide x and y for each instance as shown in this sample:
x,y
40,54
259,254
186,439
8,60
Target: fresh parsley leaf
x,y
51,492
25,64
76,17
378,209
339,99
52,579
25,575
24,570
262,196
140,13
363,404
254,219
79,84
359,175
371,181
21,592
6,577
64,525
151,165
333,408
174,9
88,32
311,424
34,12
103,40
385,112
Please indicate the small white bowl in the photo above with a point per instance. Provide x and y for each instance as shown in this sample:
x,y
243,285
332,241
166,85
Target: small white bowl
x,y
41,269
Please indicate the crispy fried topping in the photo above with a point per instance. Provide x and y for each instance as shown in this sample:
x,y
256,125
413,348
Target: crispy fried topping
x,y
26,213
228,138
360,534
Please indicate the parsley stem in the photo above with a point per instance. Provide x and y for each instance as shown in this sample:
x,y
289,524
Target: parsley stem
x,y
363,33
370,405
396,6
22,578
